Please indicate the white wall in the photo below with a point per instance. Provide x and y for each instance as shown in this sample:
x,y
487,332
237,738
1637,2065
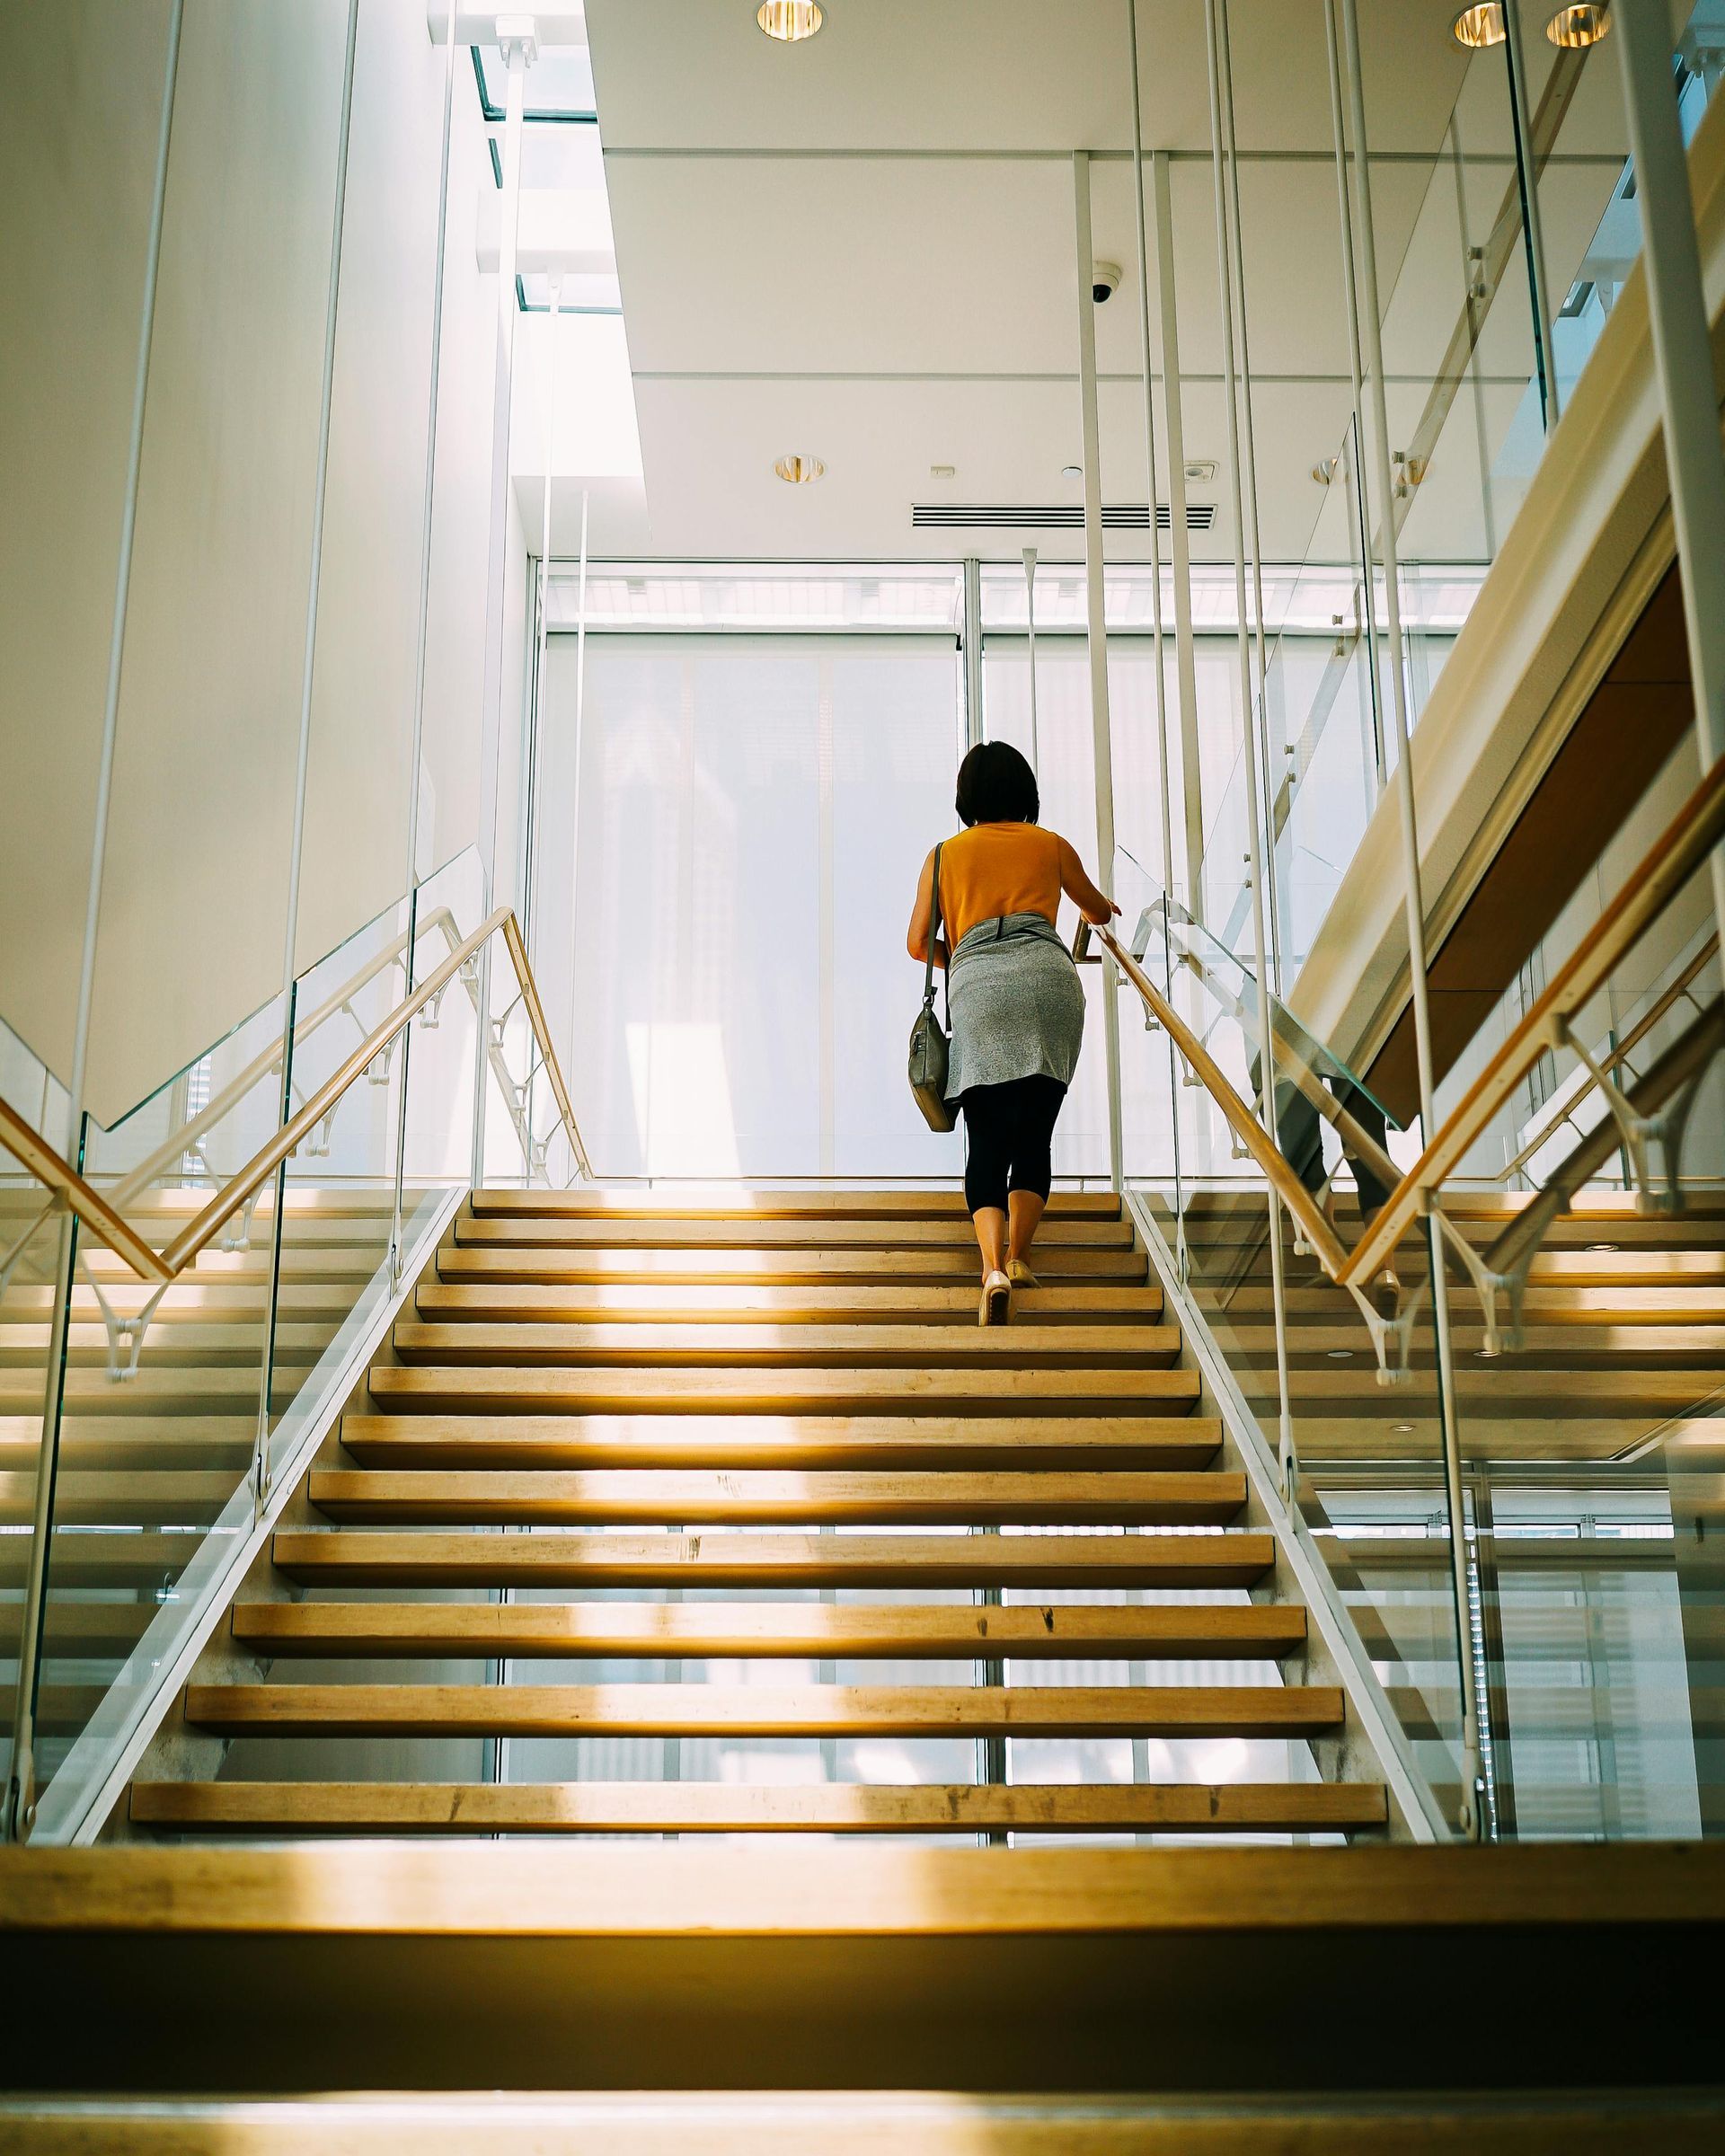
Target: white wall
x,y
197,868
195,881
80,112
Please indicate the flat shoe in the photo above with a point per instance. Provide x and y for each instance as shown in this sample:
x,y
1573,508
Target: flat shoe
x,y
996,1305
1020,1274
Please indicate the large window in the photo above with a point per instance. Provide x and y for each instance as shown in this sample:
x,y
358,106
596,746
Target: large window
x,y
734,873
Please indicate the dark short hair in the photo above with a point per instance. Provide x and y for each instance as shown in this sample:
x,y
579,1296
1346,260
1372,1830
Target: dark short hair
x,y
997,786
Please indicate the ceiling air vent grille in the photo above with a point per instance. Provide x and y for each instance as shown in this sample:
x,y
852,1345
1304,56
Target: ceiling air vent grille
x,y
1060,516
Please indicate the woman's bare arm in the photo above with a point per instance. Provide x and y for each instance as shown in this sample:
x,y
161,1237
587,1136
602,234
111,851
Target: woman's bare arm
x,y
1097,909
922,918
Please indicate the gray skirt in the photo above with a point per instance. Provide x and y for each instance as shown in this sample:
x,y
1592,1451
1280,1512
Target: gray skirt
x,y
1017,1005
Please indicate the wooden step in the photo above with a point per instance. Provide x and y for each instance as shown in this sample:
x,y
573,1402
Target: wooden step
x,y
750,1304
673,1232
85,1557
768,1203
710,1807
803,1711
818,1266
504,1390
736,1348
187,1345
491,1631
801,1441
561,1963
1487,1389
1405,1427
127,1497
1598,2123
756,1497
362,1557
1586,1345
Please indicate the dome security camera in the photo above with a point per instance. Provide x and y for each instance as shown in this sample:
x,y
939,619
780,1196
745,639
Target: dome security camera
x,y
1104,282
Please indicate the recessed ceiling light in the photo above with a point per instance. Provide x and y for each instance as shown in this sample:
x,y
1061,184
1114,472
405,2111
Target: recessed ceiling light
x,y
1602,1250
1402,1429
790,20
1477,27
1325,471
1577,28
1340,1354
799,470
1072,471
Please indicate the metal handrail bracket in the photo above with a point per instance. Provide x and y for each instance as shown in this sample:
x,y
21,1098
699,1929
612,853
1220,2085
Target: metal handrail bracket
x,y
69,1188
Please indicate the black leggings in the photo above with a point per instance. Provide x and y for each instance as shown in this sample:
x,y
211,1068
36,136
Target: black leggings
x,y
1011,1130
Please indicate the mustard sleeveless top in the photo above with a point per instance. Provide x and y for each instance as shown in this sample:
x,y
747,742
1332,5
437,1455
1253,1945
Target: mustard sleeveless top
x,y
994,869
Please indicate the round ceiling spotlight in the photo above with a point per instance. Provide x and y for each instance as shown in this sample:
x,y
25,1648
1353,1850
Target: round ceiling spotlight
x,y
798,470
1478,27
790,20
1072,471
1574,29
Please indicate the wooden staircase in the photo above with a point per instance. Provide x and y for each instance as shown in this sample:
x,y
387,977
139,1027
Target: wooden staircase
x,y
740,1509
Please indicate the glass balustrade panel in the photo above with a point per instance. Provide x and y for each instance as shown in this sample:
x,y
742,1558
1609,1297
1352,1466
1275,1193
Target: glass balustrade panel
x,y
161,1401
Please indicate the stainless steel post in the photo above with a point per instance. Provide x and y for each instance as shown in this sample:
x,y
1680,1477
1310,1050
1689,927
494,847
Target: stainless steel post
x,y
1286,1451
1357,369
1098,640
1528,173
1271,760
519,48
1191,782
296,846
541,695
1150,446
1371,314
417,754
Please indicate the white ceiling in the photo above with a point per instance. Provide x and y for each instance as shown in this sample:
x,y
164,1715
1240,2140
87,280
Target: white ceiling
x,y
863,247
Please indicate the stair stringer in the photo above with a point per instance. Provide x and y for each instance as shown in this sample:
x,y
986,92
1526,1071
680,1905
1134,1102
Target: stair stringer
x,y
1370,1745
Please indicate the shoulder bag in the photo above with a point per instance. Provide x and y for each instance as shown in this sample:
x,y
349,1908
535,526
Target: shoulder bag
x,y
928,1044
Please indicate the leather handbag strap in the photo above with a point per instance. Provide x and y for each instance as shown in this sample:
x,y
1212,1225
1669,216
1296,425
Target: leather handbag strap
x,y
933,930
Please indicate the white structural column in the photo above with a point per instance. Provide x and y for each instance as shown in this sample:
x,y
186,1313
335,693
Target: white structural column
x,y
1684,355
18,1811
1255,867
518,45
973,726
1101,735
1371,319
1149,450
1180,546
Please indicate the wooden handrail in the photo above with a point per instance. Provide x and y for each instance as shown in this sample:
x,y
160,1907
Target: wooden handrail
x,y
1681,849
66,1187
1307,1214
267,1060
70,1188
